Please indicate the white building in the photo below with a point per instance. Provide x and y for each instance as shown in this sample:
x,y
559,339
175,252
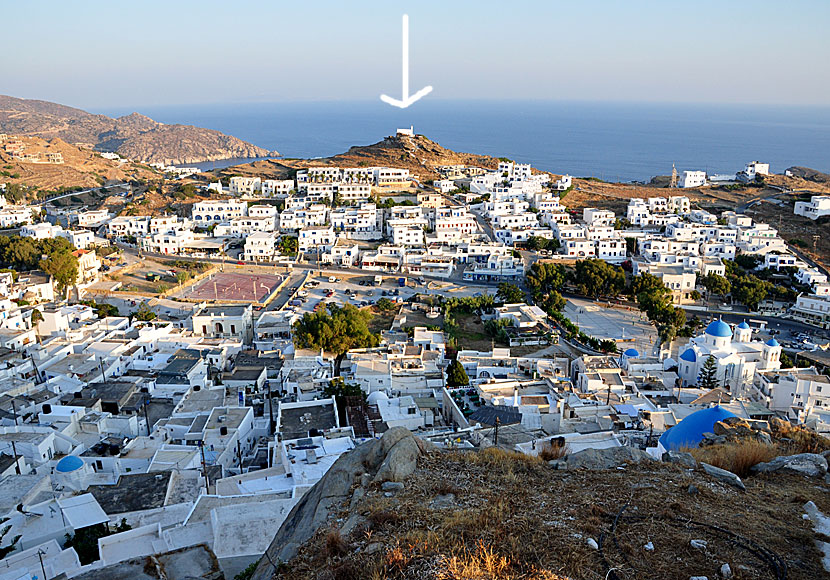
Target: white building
x,y
797,392
278,188
261,247
737,356
234,322
818,206
207,213
752,170
245,185
692,179
316,238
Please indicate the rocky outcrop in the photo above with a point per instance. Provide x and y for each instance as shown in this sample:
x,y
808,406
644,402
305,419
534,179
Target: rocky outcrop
x,y
133,136
723,476
809,464
392,458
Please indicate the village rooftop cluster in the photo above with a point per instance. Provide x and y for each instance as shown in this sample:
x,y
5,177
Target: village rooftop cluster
x,y
201,423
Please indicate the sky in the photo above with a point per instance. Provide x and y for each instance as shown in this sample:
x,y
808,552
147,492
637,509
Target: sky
x,y
95,54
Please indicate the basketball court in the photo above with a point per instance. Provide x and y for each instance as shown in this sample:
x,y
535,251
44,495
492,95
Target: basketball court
x,y
229,287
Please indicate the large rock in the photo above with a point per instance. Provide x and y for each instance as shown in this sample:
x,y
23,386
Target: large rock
x,y
606,458
724,476
400,462
393,457
809,464
680,458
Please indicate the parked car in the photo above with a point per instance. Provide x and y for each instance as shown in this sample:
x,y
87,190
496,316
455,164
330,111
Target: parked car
x,y
332,279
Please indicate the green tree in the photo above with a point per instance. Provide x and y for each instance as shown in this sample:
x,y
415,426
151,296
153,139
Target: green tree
x,y
552,302
716,284
384,304
544,277
456,375
509,293
182,276
85,540
144,313
339,389
6,550
708,377
748,261
750,291
598,278
63,267
337,330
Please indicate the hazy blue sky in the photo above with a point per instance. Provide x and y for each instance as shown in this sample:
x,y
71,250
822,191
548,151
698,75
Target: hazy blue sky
x,y
105,54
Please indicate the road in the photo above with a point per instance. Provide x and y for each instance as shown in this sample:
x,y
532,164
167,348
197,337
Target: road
x,y
81,192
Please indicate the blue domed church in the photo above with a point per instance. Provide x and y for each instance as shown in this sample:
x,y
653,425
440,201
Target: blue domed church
x,y
737,355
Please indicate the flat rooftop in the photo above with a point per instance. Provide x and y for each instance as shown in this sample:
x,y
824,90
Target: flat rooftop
x,y
133,492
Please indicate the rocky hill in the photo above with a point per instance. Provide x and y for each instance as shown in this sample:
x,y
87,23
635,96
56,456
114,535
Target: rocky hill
x,y
134,136
400,508
418,153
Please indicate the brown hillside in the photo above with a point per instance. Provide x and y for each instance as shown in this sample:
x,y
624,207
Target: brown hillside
x,y
81,167
133,136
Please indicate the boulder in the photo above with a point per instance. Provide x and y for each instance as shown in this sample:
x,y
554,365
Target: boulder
x,y
606,458
680,458
724,476
400,462
391,486
393,457
809,464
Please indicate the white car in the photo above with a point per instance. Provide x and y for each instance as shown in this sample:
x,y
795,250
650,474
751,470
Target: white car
x,y
332,279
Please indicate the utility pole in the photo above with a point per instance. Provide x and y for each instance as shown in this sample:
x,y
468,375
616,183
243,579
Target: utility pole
x,y
14,412
146,418
496,432
14,457
204,467
42,569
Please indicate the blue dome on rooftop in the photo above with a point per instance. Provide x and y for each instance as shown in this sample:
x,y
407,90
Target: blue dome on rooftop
x,y
772,342
632,353
69,464
743,325
718,328
689,432
689,355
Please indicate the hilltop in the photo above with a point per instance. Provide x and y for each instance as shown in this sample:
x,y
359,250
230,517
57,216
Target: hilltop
x,y
399,508
133,136
417,153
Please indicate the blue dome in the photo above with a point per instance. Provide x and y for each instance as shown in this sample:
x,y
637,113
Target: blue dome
x,y
743,325
631,353
689,355
718,328
772,342
69,464
689,432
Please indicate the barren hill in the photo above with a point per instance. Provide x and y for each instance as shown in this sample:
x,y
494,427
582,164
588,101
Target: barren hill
x,y
397,508
133,136
81,167
419,154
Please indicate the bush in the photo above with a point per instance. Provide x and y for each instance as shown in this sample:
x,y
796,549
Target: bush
x,y
739,458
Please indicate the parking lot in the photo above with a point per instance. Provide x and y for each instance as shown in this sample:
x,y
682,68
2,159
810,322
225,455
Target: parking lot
x,y
359,291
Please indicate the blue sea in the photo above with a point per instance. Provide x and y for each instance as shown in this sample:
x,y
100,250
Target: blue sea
x,y
613,141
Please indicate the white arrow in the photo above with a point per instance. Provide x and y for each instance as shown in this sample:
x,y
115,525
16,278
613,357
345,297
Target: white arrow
x,y
406,98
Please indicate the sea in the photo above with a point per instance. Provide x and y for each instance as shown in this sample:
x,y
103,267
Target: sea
x,y
612,141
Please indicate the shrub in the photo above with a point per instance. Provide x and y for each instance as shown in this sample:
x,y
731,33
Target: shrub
x,y
552,451
335,545
738,458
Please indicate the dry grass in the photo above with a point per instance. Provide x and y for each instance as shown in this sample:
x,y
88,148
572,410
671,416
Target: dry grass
x,y
518,519
739,458
335,545
551,452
